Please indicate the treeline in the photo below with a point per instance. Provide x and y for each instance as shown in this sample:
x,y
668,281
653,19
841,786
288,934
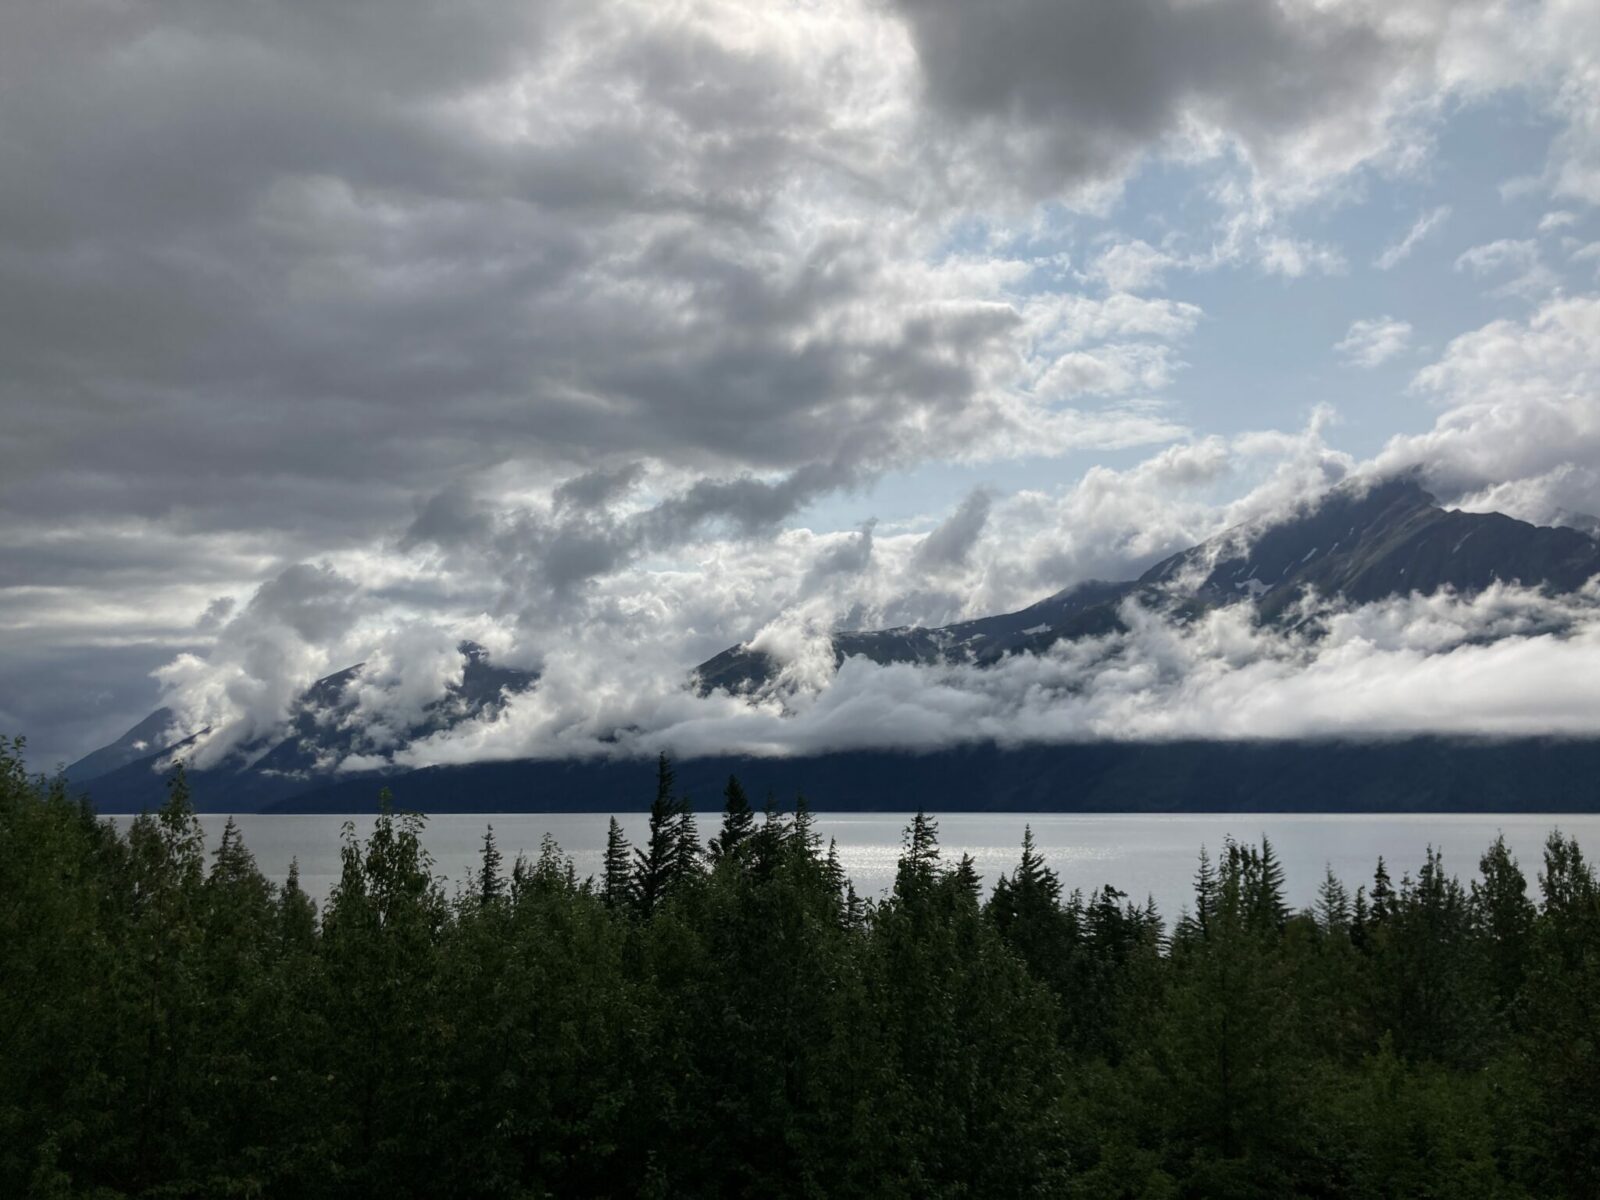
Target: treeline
x,y
725,1017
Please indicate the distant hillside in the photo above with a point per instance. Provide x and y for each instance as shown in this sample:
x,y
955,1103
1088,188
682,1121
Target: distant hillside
x,y
319,733
1359,544
1409,775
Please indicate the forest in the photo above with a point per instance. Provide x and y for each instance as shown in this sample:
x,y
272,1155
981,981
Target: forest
x,y
719,1014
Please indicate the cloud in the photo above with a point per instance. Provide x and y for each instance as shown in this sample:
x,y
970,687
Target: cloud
x,y
1520,258
1132,266
1520,402
549,320
1504,662
1069,93
1374,341
951,542
1426,224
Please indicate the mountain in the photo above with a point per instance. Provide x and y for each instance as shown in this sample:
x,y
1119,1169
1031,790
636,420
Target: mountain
x,y
1359,543
1417,774
301,753
157,732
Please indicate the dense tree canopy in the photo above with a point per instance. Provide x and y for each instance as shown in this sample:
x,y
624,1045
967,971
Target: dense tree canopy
x,y
733,1020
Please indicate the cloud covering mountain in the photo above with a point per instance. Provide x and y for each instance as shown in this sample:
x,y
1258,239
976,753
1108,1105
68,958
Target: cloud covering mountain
x,y
606,336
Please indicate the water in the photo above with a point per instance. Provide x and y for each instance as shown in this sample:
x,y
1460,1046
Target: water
x,y
1142,854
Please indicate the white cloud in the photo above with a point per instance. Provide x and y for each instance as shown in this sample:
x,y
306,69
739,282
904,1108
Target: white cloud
x,y
1132,266
1396,253
1503,662
1374,341
1520,258
1520,400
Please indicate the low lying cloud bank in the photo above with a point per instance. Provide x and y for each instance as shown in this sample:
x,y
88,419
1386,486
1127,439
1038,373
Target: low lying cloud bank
x,y
1508,661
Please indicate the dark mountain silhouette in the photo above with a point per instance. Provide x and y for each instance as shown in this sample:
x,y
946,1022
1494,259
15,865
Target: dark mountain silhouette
x,y
157,732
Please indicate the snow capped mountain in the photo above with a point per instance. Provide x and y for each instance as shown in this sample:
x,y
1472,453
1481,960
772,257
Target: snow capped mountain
x,y
323,730
1359,544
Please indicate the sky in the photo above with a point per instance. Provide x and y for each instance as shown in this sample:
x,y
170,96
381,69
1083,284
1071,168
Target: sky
x,y
611,334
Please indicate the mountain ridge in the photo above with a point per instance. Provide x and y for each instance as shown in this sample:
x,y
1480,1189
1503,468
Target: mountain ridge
x,y
1358,544
302,751
1361,544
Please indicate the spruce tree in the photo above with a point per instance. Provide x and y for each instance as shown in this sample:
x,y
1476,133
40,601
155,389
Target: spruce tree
x,y
1272,909
1382,898
833,869
919,857
1205,892
803,837
616,884
687,853
297,914
1503,919
672,853
738,820
1333,904
490,884
965,879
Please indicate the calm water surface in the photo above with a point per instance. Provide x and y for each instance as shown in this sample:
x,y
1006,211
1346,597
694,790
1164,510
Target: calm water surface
x,y
1144,855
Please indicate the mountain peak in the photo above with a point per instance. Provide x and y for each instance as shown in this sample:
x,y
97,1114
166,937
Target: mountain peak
x,y
1362,541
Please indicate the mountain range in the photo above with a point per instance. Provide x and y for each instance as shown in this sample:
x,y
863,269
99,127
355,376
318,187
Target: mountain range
x,y
1360,543
302,753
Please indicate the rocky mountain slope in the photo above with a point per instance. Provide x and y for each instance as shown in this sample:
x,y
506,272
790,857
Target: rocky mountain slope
x,y
1360,544
320,732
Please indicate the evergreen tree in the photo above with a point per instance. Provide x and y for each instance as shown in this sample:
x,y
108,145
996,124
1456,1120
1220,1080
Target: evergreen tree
x,y
671,858
738,822
173,1025
490,883
803,838
919,857
616,883
1333,905
1503,919
1360,919
965,878
1205,888
687,853
833,870
656,865
1382,898
297,912
1270,904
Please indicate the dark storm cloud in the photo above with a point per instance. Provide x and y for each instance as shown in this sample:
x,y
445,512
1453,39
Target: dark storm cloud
x,y
1093,84
597,488
264,266
550,552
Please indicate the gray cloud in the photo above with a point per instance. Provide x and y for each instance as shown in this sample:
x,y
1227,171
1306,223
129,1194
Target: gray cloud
x,y
544,320
547,552
1080,91
951,542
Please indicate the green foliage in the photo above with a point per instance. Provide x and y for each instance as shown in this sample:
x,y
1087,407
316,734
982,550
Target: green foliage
x,y
739,1023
